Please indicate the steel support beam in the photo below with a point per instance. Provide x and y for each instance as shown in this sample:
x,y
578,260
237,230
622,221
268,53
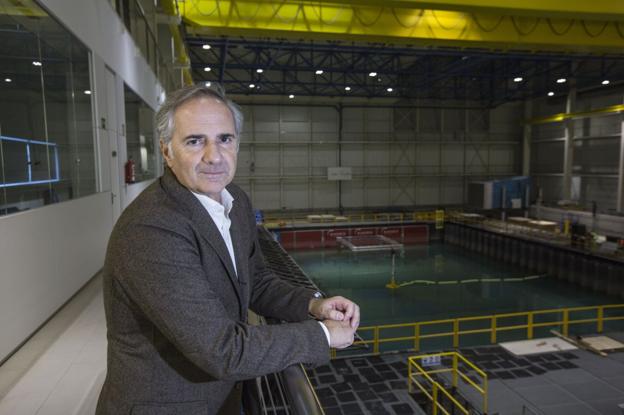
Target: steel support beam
x,y
620,183
488,25
568,146
526,139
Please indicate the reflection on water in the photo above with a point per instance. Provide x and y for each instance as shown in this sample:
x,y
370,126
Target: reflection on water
x,y
452,284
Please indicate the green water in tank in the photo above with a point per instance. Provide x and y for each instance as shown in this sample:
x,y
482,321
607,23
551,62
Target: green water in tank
x,y
450,282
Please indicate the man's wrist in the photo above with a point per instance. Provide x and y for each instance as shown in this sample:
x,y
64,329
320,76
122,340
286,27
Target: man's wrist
x,y
326,330
316,297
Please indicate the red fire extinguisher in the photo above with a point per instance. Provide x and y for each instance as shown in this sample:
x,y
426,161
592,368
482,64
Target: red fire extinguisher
x,y
129,171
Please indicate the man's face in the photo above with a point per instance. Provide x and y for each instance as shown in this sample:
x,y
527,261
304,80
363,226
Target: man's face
x,y
204,146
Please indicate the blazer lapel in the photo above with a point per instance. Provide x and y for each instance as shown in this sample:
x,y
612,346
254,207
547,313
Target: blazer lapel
x,y
202,220
239,233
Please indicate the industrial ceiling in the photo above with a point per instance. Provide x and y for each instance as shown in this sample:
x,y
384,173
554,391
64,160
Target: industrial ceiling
x,y
485,51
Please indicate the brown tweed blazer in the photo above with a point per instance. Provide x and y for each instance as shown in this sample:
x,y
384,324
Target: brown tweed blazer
x,y
176,312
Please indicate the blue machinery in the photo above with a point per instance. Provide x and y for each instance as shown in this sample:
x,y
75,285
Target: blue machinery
x,y
512,193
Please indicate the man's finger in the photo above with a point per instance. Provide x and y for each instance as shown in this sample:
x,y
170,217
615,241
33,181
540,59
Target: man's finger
x,y
350,309
336,315
355,320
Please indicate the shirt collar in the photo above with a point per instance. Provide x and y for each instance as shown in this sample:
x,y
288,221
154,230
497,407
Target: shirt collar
x,y
212,206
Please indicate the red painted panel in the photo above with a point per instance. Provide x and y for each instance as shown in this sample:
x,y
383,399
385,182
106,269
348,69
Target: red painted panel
x,y
364,231
395,233
308,239
287,239
415,234
332,234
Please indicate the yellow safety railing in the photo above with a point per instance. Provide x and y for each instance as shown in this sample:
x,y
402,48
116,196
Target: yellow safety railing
x,y
455,328
277,220
434,389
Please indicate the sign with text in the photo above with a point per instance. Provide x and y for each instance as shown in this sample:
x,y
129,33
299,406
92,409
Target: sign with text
x,y
339,173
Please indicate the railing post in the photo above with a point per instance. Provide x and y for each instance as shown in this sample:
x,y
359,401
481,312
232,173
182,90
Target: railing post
x,y
435,398
485,395
455,370
493,332
456,333
566,319
376,340
600,320
409,375
417,337
530,326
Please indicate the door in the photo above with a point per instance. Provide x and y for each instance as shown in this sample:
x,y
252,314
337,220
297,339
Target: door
x,y
113,138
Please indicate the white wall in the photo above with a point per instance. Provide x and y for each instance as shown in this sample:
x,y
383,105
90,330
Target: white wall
x,y
596,150
48,253
400,157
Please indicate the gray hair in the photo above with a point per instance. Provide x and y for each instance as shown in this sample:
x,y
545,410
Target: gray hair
x,y
166,112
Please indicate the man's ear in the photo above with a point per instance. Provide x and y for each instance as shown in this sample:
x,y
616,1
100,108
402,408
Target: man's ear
x,y
166,151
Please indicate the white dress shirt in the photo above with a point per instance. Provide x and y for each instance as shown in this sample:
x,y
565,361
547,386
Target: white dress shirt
x,y
220,214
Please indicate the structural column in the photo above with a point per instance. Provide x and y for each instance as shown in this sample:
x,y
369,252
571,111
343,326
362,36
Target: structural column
x,y
526,139
620,183
568,149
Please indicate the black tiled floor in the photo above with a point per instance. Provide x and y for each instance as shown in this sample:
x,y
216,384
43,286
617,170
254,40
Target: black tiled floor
x,y
366,395
345,397
398,384
503,374
366,385
567,365
351,408
341,387
402,409
327,379
388,397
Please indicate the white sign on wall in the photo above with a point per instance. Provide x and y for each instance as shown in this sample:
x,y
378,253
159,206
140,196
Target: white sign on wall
x,y
339,173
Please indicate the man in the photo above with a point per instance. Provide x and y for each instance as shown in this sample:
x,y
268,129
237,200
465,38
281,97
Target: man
x,y
182,268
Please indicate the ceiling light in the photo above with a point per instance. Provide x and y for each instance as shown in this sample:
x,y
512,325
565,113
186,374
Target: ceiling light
x,y
319,72
8,80
259,70
206,46
36,63
389,89
561,80
207,69
207,84
550,94
606,82
372,74
87,92
347,88
252,86
291,96
518,79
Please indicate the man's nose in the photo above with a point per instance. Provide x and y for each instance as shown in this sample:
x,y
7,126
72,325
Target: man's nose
x,y
212,153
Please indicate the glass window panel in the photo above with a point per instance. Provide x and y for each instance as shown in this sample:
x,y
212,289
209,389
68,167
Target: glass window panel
x,y
46,98
140,135
16,165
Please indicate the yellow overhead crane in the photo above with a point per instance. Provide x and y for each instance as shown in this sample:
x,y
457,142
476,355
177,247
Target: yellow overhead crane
x,y
595,26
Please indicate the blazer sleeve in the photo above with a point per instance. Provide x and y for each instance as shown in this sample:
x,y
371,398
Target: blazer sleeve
x,y
158,266
270,296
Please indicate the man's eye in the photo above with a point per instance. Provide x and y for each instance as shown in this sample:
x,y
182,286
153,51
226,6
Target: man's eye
x,y
193,141
226,139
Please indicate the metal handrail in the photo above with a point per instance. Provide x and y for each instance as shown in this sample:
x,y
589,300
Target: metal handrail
x,y
383,217
438,388
300,394
496,323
